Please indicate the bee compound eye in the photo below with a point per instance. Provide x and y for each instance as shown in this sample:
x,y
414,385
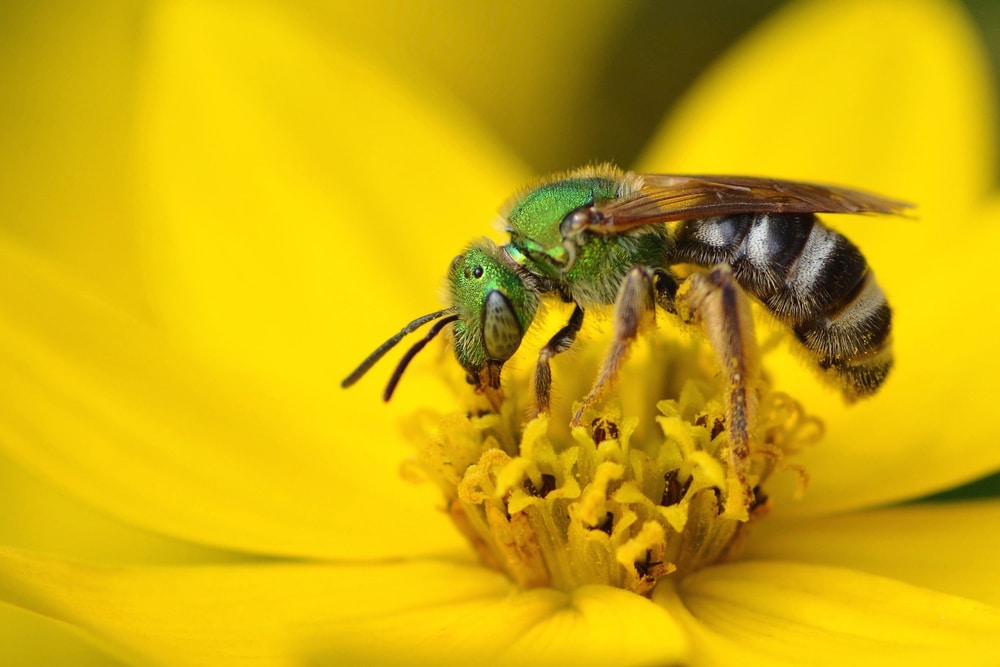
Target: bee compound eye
x,y
501,329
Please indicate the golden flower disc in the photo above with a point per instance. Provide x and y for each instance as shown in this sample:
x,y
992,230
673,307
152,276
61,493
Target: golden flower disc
x,y
645,491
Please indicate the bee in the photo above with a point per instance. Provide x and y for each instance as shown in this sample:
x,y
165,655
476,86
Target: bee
x,y
694,246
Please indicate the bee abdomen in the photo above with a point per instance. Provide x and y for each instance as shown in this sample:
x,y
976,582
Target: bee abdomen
x,y
852,342
811,278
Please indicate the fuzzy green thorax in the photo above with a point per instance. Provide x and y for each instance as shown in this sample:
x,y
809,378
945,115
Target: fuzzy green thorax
x,y
593,275
537,214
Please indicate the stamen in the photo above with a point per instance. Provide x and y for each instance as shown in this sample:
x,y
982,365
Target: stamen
x,y
626,501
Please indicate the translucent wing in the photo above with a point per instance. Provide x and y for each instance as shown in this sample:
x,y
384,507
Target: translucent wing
x,y
665,198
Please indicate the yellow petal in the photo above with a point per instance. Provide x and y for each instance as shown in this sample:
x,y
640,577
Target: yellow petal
x,y
66,168
29,639
776,613
42,518
302,204
284,614
108,410
948,547
506,61
889,95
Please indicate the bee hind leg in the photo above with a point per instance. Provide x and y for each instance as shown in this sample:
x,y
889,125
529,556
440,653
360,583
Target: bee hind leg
x,y
713,300
560,342
634,309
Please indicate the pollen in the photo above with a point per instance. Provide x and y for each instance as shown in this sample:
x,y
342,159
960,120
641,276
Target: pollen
x,y
639,493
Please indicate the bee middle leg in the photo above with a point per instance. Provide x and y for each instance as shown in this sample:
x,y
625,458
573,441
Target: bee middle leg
x,y
714,300
560,342
635,307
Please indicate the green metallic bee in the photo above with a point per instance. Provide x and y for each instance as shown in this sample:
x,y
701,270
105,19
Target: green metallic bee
x,y
599,236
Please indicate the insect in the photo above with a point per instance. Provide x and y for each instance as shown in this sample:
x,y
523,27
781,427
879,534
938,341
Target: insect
x,y
599,236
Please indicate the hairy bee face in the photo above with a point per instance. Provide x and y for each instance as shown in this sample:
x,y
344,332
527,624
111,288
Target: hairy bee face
x,y
494,306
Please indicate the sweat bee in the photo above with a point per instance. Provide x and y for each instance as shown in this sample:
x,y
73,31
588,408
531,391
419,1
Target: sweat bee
x,y
599,236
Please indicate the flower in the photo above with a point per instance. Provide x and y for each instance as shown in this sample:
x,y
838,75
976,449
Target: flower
x,y
170,364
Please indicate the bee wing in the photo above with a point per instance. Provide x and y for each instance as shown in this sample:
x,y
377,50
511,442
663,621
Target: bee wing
x,y
665,198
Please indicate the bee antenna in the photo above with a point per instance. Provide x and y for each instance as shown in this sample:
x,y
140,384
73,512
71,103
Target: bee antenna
x,y
391,343
412,352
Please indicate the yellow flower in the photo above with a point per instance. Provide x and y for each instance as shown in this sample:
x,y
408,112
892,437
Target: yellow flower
x,y
170,356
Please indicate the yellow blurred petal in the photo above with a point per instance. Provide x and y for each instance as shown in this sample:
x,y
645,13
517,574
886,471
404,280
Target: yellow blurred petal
x,y
285,614
505,60
39,517
773,613
948,547
67,78
890,95
302,204
109,411
28,639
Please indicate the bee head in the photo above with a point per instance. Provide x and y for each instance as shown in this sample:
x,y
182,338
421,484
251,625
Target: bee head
x,y
495,306
490,304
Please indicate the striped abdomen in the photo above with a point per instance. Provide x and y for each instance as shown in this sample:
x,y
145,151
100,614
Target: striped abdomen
x,y
811,278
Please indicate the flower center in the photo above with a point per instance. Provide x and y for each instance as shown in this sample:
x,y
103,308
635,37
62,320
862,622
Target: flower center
x,y
639,494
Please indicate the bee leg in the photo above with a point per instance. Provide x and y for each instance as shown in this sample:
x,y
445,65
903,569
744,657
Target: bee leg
x,y
560,342
714,300
635,306
666,290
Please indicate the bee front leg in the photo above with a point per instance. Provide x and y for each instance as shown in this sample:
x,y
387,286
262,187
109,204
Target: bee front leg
x,y
560,342
714,300
635,307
